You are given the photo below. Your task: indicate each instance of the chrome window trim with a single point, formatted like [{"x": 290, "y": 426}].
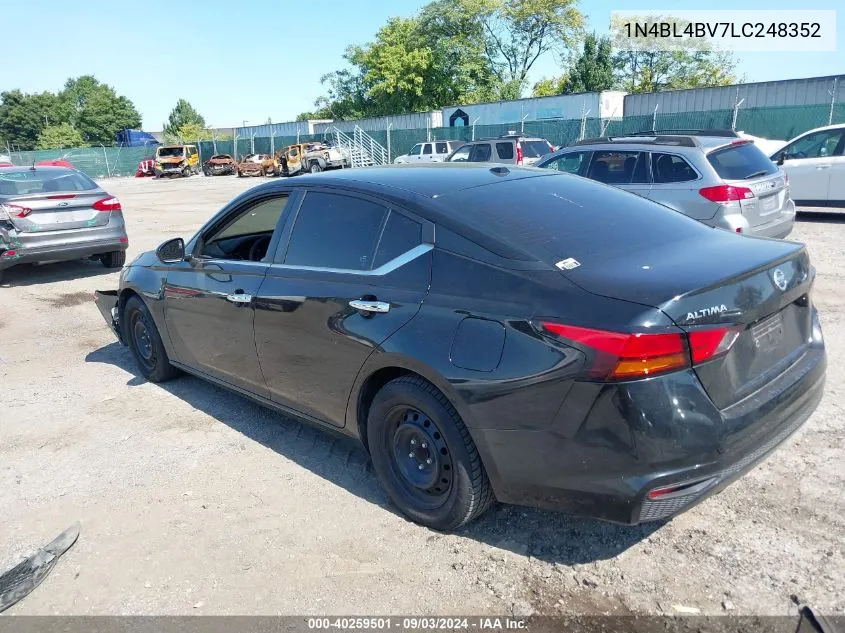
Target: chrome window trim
[{"x": 387, "y": 267}]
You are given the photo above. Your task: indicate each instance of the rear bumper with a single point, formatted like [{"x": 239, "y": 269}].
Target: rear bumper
[
  {"x": 61, "y": 245},
  {"x": 601, "y": 460}
]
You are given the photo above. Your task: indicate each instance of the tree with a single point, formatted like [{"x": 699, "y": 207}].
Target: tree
[
  {"x": 548, "y": 87},
  {"x": 24, "y": 116},
  {"x": 183, "y": 113},
  {"x": 60, "y": 136},
  {"x": 517, "y": 32},
  {"x": 95, "y": 109},
  {"x": 653, "y": 71},
  {"x": 188, "y": 133},
  {"x": 593, "y": 70},
  {"x": 646, "y": 63}
]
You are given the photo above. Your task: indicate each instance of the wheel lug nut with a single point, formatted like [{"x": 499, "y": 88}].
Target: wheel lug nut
[
  {"x": 413, "y": 442},
  {"x": 411, "y": 455},
  {"x": 428, "y": 461},
  {"x": 420, "y": 466},
  {"x": 424, "y": 445}
]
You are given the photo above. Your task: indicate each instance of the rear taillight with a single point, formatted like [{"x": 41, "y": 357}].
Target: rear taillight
[
  {"x": 14, "y": 210},
  {"x": 107, "y": 204},
  {"x": 519, "y": 155},
  {"x": 711, "y": 343},
  {"x": 627, "y": 356},
  {"x": 726, "y": 193}
]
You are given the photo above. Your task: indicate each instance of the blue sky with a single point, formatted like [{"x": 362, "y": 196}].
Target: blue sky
[{"x": 237, "y": 61}]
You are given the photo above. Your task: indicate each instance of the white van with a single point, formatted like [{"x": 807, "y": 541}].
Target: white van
[{"x": 431, "y": 152}]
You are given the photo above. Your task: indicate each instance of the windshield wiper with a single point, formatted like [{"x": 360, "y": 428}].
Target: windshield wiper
[{"x": 762, "y": 172}]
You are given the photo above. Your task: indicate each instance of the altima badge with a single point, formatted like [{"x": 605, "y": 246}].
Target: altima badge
[
  {"x": 779, "y": 279},
  {"x": 568, "y": 264}
]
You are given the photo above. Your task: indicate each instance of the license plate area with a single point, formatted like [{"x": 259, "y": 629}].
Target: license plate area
[
  {"x": 769, "y": 204},
  {"x": 768, "y": 334}
]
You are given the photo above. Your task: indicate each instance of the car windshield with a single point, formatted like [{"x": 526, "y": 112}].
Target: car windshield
[
  {"x": 740, "y": 162},
  {"x": 37, "y": 181},
  {"x": 170, "y": 152},
  {"x": 460, "y": 155},
  {"x": 534, "y": 149}
]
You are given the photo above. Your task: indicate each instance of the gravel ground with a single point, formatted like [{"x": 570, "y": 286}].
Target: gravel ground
[{"x": 196, "y": 501}]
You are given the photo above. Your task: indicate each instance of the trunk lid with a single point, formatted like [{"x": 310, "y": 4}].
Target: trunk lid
[
  {"x": 58, "y": 211},
  {"x": 759, "y": 286},
  {"x": 771, "y": 196}
]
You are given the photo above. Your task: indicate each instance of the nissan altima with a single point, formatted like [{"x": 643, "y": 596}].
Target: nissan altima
[{"x": 492, "y": 333}]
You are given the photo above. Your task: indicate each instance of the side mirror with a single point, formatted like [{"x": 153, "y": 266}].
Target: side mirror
[
  {"x": 171, "y": 251},
  {"x": 781, "y": 158}
]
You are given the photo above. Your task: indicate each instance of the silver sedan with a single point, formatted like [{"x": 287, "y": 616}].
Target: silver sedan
[{"x": 57, "y": 214}]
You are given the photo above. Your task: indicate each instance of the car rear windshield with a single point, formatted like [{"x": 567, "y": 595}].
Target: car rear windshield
[
  {"x": 741, "y": 162},
  {"x": 37, "y": 181},
  {"x": 561, "y": 216},
  {"x": 534, "y": 149}
]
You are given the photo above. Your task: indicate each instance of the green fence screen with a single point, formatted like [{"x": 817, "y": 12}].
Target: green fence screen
[{"x": 781, "y": 123}]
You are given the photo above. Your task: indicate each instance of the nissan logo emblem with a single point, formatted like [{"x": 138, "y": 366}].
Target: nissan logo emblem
[{"x": 779, "y": 279}]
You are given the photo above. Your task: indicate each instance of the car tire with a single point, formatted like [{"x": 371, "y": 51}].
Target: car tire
[
  {"x": 114, "y": 259},
  {"x": 424, "y": 455},
  {"x": 315, "y": 168},
  {"x": 144, "y": 341}
]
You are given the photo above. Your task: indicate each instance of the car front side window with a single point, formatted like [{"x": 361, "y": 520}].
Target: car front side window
[
  {"x": 815, "y": 145},
  {"x": 246, "y": 233}
]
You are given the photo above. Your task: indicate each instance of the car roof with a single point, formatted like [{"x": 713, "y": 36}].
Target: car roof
[
  {"x": 48, "y": 168},
  {"x": 835, "y": 126},
  {"x": 681, "y": 143},
  {"x": 430, "y": 180}
]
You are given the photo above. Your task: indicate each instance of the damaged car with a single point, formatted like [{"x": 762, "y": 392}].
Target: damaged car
[
  {"x": 257, "y": 165},
  {"x": 58, "y": 214},
  {"x": 595, "y": 353},
  {"x": 311, "y": 158},
  {"x": 220, "y": 165},
  {"x": 177, "y": 160}
]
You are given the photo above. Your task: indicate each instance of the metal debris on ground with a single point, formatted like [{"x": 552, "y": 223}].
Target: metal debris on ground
[{"x": 19, "y": 581}]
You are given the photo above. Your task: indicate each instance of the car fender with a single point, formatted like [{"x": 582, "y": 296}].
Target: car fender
[{"x": 148, "y": 283}]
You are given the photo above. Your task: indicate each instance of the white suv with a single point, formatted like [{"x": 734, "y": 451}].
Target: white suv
[
  {"x": 431, "y": 152},
  {"x": 815, "y": 164}
]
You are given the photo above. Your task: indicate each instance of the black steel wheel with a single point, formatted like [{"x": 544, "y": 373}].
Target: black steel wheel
[
  {"x": 424, "y": 455},
  {"x": 144, "y": 341}
]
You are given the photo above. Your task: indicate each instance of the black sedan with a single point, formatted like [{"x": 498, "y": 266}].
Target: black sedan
[{"x": 492, "y": 333}]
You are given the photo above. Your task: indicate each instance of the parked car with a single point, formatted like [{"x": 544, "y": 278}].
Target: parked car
[
  {"x": 430, "y": 152},
  {"x": 492, "y": 333},
  {"x": 220, "y": 165},
  {"x": 177, "y": 160},
  {"x": 510, "y": 149},
  {"x": 766, "y": 145},
  {"x": 815, "y": 164},
  {"x": 56, "y": 213},
  {"x": 257, "y": 165},
  {"x": 713, "y": 176},
  {"x": 312, "y": 157},
  {"x": 146, "y": 167}
]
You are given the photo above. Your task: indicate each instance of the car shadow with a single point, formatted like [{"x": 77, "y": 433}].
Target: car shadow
[
  {"x": 548, "y": 536},
  {"x": 32, "y": 274},
  {"x": 826, "y": 216}
]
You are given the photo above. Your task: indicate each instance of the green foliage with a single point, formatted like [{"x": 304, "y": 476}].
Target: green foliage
[
  {"x": 549, "y": 87},
  {"x": 60, "y": 136},
  {"x": 96, "y": 110},
  {"x": 92, "y": 108},
  {"x": 182, "y": 114},
  {"x": 593, "y": 70},
  {"x": 653, "y": 71},
  {"x": 453, "y": 51},
  {"x": 24, "y": 116}
]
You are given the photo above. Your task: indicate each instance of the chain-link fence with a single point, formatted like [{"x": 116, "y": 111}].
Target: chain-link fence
[{"x": 781, "y": 123}]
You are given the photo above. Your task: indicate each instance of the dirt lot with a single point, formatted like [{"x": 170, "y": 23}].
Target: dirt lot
[{"x": 193, "y": 500}]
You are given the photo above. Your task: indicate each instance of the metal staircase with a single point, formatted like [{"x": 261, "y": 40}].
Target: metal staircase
[{"x": 363, "y": 150}]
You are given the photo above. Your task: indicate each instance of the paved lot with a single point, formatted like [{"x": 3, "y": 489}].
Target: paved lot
[{"x": 194, "y": 500}]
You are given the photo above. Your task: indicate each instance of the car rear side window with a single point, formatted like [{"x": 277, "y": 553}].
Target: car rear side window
[
  {"x": 572, "y": 163},
  {"x": 442, "y": 148},
  {"x": 618, "y": 168},
  {"x": 480, "y": 153},
  {"x": 400, "y": 235},
  {"x": 534, "y": 149},
  {"x": 668, "y": 168},
  {"x": 427, "y": 148},
  {"x": 740, "y": 162},
  {"x": 335, "y": 231},
  {"x": 505, "y": 150}
]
